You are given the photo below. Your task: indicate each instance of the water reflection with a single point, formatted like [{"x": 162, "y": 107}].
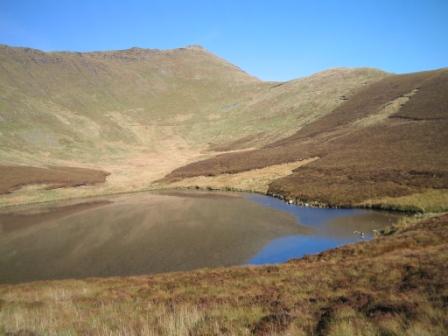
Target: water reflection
[
  {"x": 148, "y": 233},
  {"x": 286, "y": 248},
  {"x": 305, "y": 215},
  {"x": 330, "y": 228},
  {"x": 136, "y": 234}
]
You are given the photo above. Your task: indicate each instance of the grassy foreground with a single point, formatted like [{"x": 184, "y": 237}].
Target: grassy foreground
[{"x": 393, "y": 285}]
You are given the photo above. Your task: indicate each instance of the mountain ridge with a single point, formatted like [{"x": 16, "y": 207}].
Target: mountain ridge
[{"x": 142, "y": 114}]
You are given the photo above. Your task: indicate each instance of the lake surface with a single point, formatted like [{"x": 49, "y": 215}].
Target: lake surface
[{"x": 146, "y": 233}]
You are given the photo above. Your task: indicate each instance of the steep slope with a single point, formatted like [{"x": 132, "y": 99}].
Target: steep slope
[
  {"x": 65, "y": 103},
  {"x": 140, "y": 113},
  {"x": 389, "y": 139},
  {"x": 284, "y": 108}
]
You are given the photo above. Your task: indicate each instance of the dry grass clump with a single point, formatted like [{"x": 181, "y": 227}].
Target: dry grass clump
[
  {"x": 119, "y": 319},
  {"x": 393, "y": 285}
]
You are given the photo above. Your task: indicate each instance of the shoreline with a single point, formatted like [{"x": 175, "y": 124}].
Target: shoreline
[
  {"x": 413, "y": 210},
  {"x": 390, "y": 229}
]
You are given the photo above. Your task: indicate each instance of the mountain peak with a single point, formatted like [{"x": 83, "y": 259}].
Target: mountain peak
[{"x": 195, "y": 47}]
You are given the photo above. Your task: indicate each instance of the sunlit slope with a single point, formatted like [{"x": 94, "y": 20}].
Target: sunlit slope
[
  {"x": 389, "y": 139},
  {"x": 73, "y": 105},
  {"x": 78, "y": 103},
  {"x": 140, "y": 113},
  {"x": 283, "y": 108}
]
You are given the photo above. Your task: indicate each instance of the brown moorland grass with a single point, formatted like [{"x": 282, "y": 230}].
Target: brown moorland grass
[
  {"x": 15, "y": 177},
  {"x": 390, "y": 156},
  {"x": 346, "y": 187},
  {"x": 393, "y": 285}
]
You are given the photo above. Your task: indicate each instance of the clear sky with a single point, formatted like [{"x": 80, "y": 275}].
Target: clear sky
[{"x": 271, "y": 39}]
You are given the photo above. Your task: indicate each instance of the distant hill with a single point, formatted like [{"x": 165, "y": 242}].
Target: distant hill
[{"x": 140, "y": 113}]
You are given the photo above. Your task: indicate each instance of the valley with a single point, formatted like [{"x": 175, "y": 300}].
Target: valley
[
  {"x": 139, "y": 114},
  {"x": 122, "y": 208}
]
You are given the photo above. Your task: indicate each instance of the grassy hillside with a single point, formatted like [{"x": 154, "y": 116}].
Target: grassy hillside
[
  {"x": 389, "y": 139},
  {"x": 393, "y": 285},
  {"x": 140, "y": 113},
  {"x": 67, "y": 103}
]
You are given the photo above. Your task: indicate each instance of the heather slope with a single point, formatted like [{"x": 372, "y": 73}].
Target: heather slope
[{"x": 389, "y": 139}]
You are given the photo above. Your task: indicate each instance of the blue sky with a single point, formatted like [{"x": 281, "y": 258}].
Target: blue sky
[{"x": 273, "y": 40}]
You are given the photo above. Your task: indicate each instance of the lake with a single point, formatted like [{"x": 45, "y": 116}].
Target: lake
[{"x": 145, "y": 233}]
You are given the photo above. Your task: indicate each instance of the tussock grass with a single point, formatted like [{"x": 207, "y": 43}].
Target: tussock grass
[{"x": 119, "y": 319}]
